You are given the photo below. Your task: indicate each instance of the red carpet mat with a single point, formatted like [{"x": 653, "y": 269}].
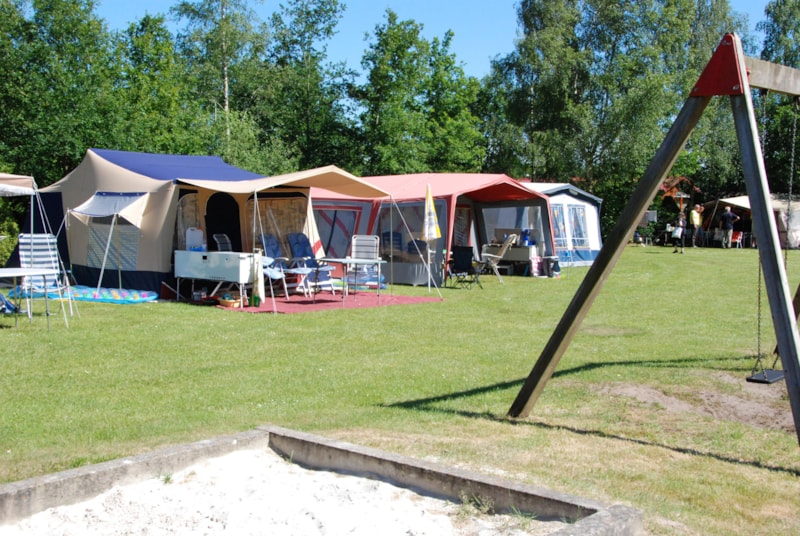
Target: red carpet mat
[{"x": 325, "y": 302}]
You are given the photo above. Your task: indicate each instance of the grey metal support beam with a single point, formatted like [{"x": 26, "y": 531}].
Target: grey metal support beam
[{"x": 612, "y": 249}]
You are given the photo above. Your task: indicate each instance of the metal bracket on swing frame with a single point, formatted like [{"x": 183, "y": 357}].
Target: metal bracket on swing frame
[{"x": 728, "y": 73}]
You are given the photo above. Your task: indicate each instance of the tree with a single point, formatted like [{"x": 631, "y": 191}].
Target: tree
[
  {"x": 593, "y": 85},
  {"x": 62, "y": 97},
  {"x": 159, "y": 113},
  {"x": 417, "y": 104},
  {"x": 307, "y": 101},
  {"x": 394, "y": 117},
  {"x": 781, "y": 31},
  {"x": 454, "y": 137},
  {"x": 218, "y": 36}
]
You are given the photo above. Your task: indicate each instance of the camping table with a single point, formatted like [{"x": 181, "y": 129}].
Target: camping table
[
  {"x": 351, "y": 261},
  {"x": 16, "y": 273},
  {"x": 221, "y": 267}
]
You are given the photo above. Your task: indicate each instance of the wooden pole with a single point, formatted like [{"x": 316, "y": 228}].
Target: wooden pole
[
  {"x": 612, "y": 249},
  {"x": 769, "y": 249}
]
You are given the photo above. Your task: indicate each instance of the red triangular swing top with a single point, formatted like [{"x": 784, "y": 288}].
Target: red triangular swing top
[{"x": 722, "y": 75}]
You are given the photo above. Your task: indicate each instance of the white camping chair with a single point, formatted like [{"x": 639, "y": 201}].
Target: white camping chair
[
  {"x": 41, "y": 251},
  {"x": 364, "y": 248}
]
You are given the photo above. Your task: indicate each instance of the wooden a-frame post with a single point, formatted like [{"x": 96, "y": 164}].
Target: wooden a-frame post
[{"x": 728, "y": 73}]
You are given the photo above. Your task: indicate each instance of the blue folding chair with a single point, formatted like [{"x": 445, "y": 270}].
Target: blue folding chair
[
  {"x": 276, "y": 265},
  {"x": 319, "y": 276}
]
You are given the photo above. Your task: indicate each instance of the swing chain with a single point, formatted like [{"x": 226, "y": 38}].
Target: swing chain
[
  {"x": 759, "y": 364},
  {"x": 791, "y": 180}
]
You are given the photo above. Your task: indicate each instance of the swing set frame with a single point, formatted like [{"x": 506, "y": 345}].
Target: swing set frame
[{"x": 728, "y": 73}]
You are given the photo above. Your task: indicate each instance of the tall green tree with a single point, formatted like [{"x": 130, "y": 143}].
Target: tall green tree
[
  {"x": 593, "y": 85},
  {"x": 218, "y": 36},
  {"x": 454, "y": 137},
  {"x": 394, "y": 119},
  {"x": 308, "y": 101},
  {"x": 779, "y": 114},
  {"x": 63, "y": 97},
  {"x": 417, "y": 104},
  {"x": 159, "y": 113}
]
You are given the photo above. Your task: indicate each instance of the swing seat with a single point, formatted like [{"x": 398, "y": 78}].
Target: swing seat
[{"x": 766, "y": 376}]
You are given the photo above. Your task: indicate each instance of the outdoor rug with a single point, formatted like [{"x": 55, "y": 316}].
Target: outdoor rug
[{"x": 327, "y": 302}]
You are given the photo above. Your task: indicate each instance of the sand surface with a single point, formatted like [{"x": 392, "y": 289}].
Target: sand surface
[{"x": 255, "y": 492}]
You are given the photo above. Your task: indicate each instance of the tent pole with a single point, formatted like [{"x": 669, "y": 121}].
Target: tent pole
[{"x": 119, "y": 259}]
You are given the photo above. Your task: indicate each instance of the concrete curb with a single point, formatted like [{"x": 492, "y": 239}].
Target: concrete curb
[
  {"x": 590, "y": 518},
  {"x": 22, "y": 499}
]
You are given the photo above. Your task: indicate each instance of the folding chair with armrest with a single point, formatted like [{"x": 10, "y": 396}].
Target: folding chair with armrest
[
  {"x": 491, "y": 260},
  {"x": 319, "y": 274},
  {"x": 41, "y": 251},
  {"x": 275, "y": 262},
  {"x": 462, "y": 269}
]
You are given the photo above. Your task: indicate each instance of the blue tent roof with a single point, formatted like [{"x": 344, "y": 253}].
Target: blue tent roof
[{"x": 169, "y": 167}]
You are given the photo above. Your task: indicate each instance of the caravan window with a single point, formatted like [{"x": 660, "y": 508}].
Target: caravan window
[
  {"x": 497, "y": 220},
  {"x": 559, "y": 227},
  {"x": 335, "y": 227},
  {"x": 577, "y": 219},
  {"x": 402, "y": 226}
]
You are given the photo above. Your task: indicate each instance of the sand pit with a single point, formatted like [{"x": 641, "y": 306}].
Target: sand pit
[{"x": 255, "y": 491}]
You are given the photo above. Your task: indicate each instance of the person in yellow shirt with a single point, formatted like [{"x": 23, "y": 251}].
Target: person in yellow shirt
[{"x": 695, "y": 223}]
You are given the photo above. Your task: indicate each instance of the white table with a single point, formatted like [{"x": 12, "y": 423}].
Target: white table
[
  {"x": 346, "y": 262},
  {"x": 16, "y": 273}
]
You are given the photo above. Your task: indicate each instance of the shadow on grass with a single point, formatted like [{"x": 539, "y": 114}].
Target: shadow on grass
[{"x": 428, "y": 405}]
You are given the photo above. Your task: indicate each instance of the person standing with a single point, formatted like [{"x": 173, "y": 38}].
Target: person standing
[
  {"x": 695, "y": 223},
  {"x": 679, "y": 232},
  {"x": 727, "y": 220}
]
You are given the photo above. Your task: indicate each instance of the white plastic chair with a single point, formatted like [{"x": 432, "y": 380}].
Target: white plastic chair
[{"x": 40, "y": 250}]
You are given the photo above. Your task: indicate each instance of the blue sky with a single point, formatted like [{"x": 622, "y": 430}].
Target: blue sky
[{"x": 484, "y": 29}]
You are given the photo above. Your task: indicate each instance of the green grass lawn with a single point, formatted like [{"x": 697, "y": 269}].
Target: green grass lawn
[{"x": 648, "y": 407}]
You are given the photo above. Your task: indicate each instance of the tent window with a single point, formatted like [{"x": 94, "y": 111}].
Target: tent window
[
  {"x": 335, "y": 228},
  {"x": 123, "y": 249},
  {"x": 577, "y": 218},
  {"x": 278, "y": 216},
  {"x": 408, "y": 223},
  {"x": 498, "y": 220},
  {"x": 188, "y": 216}
]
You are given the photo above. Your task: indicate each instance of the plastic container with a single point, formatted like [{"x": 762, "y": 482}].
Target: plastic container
[
  {"x": 194, "y": 239},
  {"x": 525, "y": 240}
]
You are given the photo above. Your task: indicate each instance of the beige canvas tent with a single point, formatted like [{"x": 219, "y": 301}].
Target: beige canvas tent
[
  {"x": 125, "y": 213},
  {"x": 785, "y": 211}
]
